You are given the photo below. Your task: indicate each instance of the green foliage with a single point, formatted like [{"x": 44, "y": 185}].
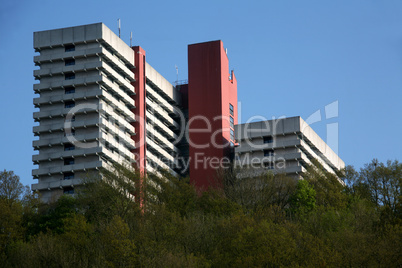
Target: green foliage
[
  {"x": 11, "y": 228},
  {"x": 259, "y": 193},
  {"x": 11, "y": 188},
  {"x": 121, "y": 219},
  {"x": 112, "y": 193},
  {"x": 177, "y": 195},
  {"x": 329, "y": 189},
  {"x": 15, "y": 201},
  {"x": 119, "y": 249},
  {"x": 383, "y": 185},
  {"x": 303, "y": 199}
]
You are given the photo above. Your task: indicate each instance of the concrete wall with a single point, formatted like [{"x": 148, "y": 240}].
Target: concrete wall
[
  {"x": 96, "y": 32},
  {"x": 102, "y": 78},
  {"x": 162, "y": 83},
  {"x": 292, "y": 140}
]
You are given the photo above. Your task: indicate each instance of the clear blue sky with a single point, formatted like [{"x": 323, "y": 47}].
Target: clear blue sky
[{"x": 290, "y": 58}]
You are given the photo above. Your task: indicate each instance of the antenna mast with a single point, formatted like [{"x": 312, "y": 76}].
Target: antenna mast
[
  {"x": 131, "y": 39},
  {"x": 119, "y": 28},
  {"x": 177, "y": 73}
]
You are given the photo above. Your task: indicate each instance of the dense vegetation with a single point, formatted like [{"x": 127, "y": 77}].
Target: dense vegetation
[{"x": 269, "y": 221}]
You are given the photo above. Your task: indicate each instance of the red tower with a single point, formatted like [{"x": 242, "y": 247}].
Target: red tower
[
  {"x": 212, "y": 104},
  {"x": 139, "y": 111}
]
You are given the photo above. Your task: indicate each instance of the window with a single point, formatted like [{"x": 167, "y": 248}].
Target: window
[
  {"x": 231, "y": 122},
  {"x": 72, "y": 119},
  {"x": 69, "y": 90},
  {"x": 68, "y": 161},
  {"x": 69, "y": 48},
  {"x": 69, "y": 76},
  {"x": 231, "y": 109},
  {"x": 232, "y": 134},
  {"x": 268, "y": 152},
  {"x": 268, "y": 165},
  {"x": 69, "y": 104},
  {"x": 68, "y": 176},
  {"x": 268, "y": 139},
  {"x": 106, "y": 116},
  {"x": 68, "y": 190},
  {"x": 69, "y": 133},
  {"x": 69, "y": 147},
  {"x": 69, "y": 62}
]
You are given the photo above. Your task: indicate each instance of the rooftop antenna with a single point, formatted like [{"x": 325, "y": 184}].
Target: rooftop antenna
[
  {"x": 119, "y": 28},
  {"x": 177, "y": 73},
  {"x": 131, "y": 39}
]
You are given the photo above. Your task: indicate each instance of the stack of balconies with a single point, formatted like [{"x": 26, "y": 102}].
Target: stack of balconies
[
  {"x": 163, "y": 126},
  {"x": 282, "y": 146},
  {"x": 85, "y": 118}
]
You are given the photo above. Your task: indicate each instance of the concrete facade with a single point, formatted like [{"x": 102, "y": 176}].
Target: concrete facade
[
  {"x": 100, "y": 102},
  {"x": 281, "y": 146},
  {"x": 88, "y": 116}
]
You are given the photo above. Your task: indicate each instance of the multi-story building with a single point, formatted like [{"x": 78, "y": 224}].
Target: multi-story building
[
  {"x": 284, "y": 145},
  {"x": 85, "y": 101},
  {"x": 212, "y": 110},
  {"x": 100, "y": 103}
]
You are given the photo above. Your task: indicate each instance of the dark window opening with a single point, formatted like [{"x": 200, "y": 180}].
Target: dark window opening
[
  {"x": 69, "y": 62},
  {"x": 69, "y": 161},
  {"x": 68, "y": 190},
  {"x": 69, "y": 104},
  {"x": 268, "y": 165},
  {"x": 69, "y": 90},
  {"x": 231, "y": 122},
  {"x": 68, "y": 176},
  {"x": 70, "y": 132},
  {"x": 69, "y": 76},
  {"x": 69, "y": 147},
  {"x": 69, "y": 48},
  {"x": 268, "y": 139},
  {"x": 268, "y": 152}
]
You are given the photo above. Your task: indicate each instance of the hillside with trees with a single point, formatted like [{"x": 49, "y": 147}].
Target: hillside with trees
[{"x": 268, "y": 221}]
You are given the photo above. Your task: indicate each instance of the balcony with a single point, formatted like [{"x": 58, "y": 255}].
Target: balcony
[
  {"x": 59, "y": 126},
  {"x": 60, "y": 83},
  {"x": 95, "y": 165},
  {"x": 46, "y": 72},
  {"x": 61, "y": 154},
  {"x": 61, "y": 140},
  {"x": 56, "y": 184},
  {"x": 54, "y": 57}
]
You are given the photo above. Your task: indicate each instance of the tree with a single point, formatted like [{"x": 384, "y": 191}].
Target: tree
[
  {"x": 303, "y": 200},
  {"x": 11, "y": 208},
  {"x": 119, "y": 250},
  {"x": 11, "y": 188},
  {"x": 112, "y": 192},
  {"x": 257, "y": 193},
  {"x": 11, "y": 228},
  {"x": 383, "y": 184},
  {"x": 330, "y": 191},
  {"x": 175, "y": 194}
]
